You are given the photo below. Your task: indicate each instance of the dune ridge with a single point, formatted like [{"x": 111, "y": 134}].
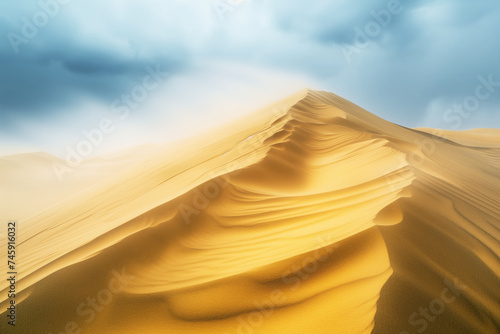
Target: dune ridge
[{"x": 311, "y": 215}]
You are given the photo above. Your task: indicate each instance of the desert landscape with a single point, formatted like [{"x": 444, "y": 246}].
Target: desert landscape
[{"x": 311, "y": 215}]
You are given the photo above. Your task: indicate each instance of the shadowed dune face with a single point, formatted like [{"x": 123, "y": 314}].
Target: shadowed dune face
[{"x": 292, "y": 220}]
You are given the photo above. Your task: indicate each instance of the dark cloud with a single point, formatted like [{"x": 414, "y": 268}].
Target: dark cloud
[{"x": 432, "y": 50}]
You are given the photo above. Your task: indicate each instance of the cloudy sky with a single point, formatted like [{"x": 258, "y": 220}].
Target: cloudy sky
[{"x": 162, "y": 70}]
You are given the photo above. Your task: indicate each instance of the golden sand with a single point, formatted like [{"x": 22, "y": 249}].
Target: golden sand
[{"x": 309, "y": 216}]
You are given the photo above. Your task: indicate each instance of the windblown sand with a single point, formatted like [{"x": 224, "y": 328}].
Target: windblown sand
[{"x": 309, "y": 216}]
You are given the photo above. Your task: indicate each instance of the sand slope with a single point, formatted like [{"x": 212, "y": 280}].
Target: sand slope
[{"x": 309, "y": 216}]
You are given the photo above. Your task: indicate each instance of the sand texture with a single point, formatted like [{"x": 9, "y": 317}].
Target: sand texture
[{"x": 311, "y": 215}]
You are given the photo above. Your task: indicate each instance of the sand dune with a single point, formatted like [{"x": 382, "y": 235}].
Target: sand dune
[{"x": 309, "y": 216}]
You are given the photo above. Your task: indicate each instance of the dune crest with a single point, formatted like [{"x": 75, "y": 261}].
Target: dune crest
[{"x": 309, "y": 216}]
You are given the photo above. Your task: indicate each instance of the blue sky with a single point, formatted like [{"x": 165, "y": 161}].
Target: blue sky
[{"x": 65, "y": 63}]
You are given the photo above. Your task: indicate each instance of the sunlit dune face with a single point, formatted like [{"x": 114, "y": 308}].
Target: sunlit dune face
[{"x": 310, "y": 216}]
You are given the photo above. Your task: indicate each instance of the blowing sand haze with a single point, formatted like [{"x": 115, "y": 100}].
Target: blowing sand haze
[{"x": 309, "y": 216}]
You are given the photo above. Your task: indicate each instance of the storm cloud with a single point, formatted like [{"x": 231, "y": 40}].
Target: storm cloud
[{"x": 407, "y": 61}]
